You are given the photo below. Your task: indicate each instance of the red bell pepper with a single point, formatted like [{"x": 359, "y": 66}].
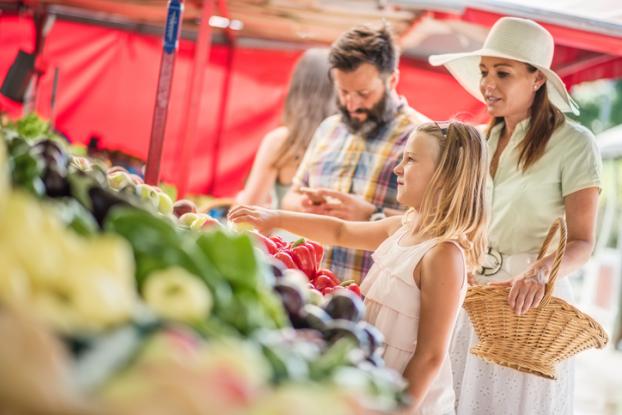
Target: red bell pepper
[
  {"x": 280, "y": 243},
  {"x": 318, "y": 251},
  {"x": 328, "y": 290},
  {"x": 329, "y": 274},
  {"x": 322, "y": 282},
  {"x": 305, "y": 260},
  {"x": 268, "y": 243},
  {"x": 286, "y": 259},
  {"x": 354, "y": 287}
]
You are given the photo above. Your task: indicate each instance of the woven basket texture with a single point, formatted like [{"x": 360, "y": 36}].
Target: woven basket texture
[{"x": 536, "y": 341}]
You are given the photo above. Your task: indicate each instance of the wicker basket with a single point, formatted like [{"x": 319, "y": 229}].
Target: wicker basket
[{"x": 536, "y": 341}]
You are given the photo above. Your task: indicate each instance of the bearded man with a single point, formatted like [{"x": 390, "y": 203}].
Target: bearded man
[{"x": 347, "y": 171}]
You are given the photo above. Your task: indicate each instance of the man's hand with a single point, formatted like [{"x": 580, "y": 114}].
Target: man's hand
[
  {"x": 345, "y": 206},
  {"x": 312, "y": 201}
]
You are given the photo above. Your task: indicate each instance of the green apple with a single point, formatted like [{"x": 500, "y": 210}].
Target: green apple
[
  {"x": 178, "y": 295},
  {"x": 187, "y": 219},
  {"x": 81, "y": 163},
  {"x": 315, "y": 297},
  {"x": 165, "y": 205},
  {"x": 240, "y": 227},
  {"x": 118, "y": 180},
  {"x": 204, "y": 221},
  {"x": 148, "y": 194}
]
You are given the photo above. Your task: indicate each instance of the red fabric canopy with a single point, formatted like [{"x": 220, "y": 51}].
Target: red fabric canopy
[{"x": 107, "y": 87}]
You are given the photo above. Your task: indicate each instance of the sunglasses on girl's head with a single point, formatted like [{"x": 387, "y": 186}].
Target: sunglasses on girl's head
[{"x": 443, "y": 126}]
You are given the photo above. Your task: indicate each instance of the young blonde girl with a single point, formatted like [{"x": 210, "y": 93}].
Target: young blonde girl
[{"x": 418, "y": 281}]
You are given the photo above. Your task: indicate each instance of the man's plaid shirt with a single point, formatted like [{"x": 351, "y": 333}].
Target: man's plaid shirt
[{"x": 349, "y": 163}]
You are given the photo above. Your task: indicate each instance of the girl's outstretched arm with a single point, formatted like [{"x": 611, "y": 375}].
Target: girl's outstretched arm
[
  {"x": 442, "y": 274},
  {"x": 324, "y": 229}
]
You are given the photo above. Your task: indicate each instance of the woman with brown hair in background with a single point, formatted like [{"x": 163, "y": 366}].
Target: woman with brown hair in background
[{"x": 310, "y": 99}]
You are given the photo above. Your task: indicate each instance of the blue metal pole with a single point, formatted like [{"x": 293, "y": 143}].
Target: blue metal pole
[{"x": 165, "y": 82}]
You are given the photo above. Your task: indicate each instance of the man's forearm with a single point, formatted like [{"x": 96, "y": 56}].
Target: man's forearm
[{"x": 293, "y": 201}]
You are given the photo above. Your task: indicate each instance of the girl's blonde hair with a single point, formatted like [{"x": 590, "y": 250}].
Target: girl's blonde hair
[{"x": 454, "y": 204}]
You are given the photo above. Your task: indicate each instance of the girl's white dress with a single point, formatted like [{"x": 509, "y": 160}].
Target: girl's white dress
[{"x": 392, "y": 302}]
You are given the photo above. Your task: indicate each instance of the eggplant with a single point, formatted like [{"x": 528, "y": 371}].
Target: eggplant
[
  {"x": 374, "y": 336},
  {"x": 50, "y": 145},
  {"x": 338, "y": 329},
  {"x": 292, "y": 299},
  {"x": 315, "y": 317},
  {"x": 51, "y": 153},
  {"x": 55, "y": 182},
  {"x": 276, "y": 267},
  {"x": 375, "y": 359},
  {"x": 345, "y": 305},
  {"x": 102, "y": 201}
]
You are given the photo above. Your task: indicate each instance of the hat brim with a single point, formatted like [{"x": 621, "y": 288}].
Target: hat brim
[{"x": 465, "y": 68}]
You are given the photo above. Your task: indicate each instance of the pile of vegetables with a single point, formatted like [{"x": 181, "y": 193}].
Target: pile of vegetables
[{"x": 109, "y": 268}]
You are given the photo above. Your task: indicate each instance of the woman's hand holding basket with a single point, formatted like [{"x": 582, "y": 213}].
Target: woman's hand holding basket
[{"x": 527, "y": 289}]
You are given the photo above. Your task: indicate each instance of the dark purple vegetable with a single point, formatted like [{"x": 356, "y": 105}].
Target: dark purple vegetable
[
  {"x": 338, "y": 329},
  {"x": 292, "y": 299},
  {"x": 315, "y": 317},
  {"x": 374, "y": 336},
  {"x": 102, "y": 201},
  {"x": 345, "y": 305}
]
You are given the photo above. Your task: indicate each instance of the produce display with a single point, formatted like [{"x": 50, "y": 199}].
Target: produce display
[{"x": 133, "y": 303}]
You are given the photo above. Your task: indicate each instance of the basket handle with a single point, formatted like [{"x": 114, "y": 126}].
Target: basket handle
[{"x": 558, "y": 225}]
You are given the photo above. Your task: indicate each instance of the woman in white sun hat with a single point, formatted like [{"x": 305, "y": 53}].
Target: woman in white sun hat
[{"x": 542, "y": 166}]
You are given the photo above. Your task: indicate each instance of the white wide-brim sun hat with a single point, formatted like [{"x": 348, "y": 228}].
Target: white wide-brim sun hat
[{"x": 510, "y": 38}]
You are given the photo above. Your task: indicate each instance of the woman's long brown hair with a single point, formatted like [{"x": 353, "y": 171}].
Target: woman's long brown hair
[
  {"x": 310, "y": 99},
  {"x": 544, "y": 120}
]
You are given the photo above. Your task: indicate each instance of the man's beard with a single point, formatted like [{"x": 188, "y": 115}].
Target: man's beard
[{"x": 382, "y": 113}]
